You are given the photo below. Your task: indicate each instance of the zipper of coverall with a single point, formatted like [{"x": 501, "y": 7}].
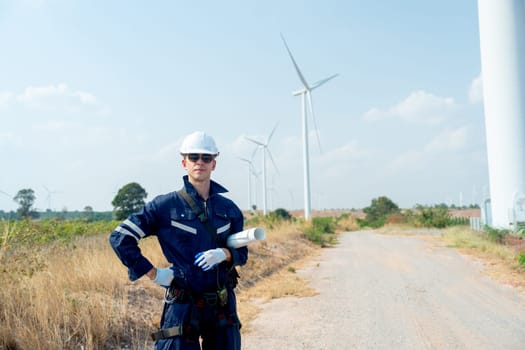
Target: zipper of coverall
[{"x": 205, "y": 210}]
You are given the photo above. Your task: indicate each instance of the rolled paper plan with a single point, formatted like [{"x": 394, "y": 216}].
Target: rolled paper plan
[{"x": 246, "y": 237}]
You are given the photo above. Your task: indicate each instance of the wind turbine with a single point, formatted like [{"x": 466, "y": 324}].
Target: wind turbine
[
  {"x": 48, "y": 198},
  {"x": 250, "y": 172},
  {"x": 265, "y": 150},
  {"x": 306, "y": 94}
]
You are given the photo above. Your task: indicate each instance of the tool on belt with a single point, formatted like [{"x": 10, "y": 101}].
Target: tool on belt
[
  {"x": 181, "y": 296},
  {"x": 199, "y": 301}
]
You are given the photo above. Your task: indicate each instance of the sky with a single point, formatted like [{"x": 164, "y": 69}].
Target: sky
[{"x": 98, "y": 94}]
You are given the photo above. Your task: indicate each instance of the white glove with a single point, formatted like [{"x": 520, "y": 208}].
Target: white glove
[
  {"x": 210, "y": 258},
  {"x": 164, "y": 277}
]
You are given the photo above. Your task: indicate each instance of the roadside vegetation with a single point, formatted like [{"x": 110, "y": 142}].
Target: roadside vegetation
[{"x": 64, "y": 288}]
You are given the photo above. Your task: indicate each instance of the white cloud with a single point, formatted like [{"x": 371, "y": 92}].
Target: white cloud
[
  {"x": 32, "y": 4},
  {"x": 55, "y": 97},
  {"x": 411, "y": 161},
  {"x": 6, "y": 137},
  {"x": 241, "y": 147},
  {"x": 5, "y": 99},
  {"x": 168, "y": 152},
  {"x": 375, "y": 114},
  {"x": 350, "y": 150},
  {"x": 449, "y": 141},
  {"x": 475, "y": 92},
  {"x": 418, "y": 107}
]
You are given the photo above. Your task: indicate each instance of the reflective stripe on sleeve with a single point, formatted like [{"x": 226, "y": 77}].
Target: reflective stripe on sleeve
[
  {"x": 184, "y": 227},
  {"x": 125, "y": 231},
  {"x": 223, "y": 228},
  {"x": 134, "y": 227}
]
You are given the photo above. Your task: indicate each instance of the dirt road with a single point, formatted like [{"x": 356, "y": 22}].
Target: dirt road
[{"x": 393, "y": 292}]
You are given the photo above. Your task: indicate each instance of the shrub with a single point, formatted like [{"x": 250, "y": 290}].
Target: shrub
[
  {"x": 281, "y": 214},
  {"x": 521, "y": 260},
  {"x": 378, "y": 212},
  {"x": 324, "y": 224},
  {"x": 346, "y": 222},
  {"x": 438, "y": 217},
  {"x": 320, "y": 231},
  {"x": 494, "y": 234},
  {"x": 271, "y": 220}
]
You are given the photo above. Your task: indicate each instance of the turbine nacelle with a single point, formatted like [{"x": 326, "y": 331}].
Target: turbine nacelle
[{"x": 299, "y": 92}]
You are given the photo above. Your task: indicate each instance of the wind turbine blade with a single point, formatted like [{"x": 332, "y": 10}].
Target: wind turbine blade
[
  {"x": 271, "y": 134},
  {"x": 321, "y": 82},
  {"x": 310, "y": 104},
  {"x": 254, "y": 152},
  {"x": 273, "y": 162},
  {"x": 303, "y": 80},
  {"x": 255, "y": 141},
  {"x": 252, "y": 169}
]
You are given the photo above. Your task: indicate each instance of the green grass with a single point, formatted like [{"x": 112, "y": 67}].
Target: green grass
[
  {"x": 461, "y": 237},
  {"x": 29, "y": 233},
  {"x": 521, "y": 260}
]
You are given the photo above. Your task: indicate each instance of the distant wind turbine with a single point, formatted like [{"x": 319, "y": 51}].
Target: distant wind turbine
[
  {"x": 251, "y": 171},
  {"x": 48, "y": 198},
  {"x": 265, "y": 150},
  {"x": 306, "y": 94}
]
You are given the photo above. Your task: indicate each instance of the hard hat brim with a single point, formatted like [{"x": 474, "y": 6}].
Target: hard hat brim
[{"x": 198, "y": 150}]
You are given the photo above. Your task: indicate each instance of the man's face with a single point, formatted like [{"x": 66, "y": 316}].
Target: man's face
[{"x": 199, "y": 169}]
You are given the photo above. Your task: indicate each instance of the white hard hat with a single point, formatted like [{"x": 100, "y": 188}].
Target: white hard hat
[{"x": 198, "y": 142}]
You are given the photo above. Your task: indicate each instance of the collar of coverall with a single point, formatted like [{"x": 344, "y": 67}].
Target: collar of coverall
[{"x": 214, "y": 187}]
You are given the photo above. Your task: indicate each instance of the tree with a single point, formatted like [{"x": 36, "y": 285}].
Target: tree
[
  {"x": 25, "y": 199},
  {"x": 379, "y": 210},
  {"x": 281, "y": 213},
  {"x": 128, "y": 200},
  {"x": 88, "y": 213}
]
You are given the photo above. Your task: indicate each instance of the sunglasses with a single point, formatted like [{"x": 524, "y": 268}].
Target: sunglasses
[{"x": 206, "y": 158}]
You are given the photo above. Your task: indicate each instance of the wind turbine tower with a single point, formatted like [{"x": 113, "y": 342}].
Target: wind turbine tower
[
  {"x": 306, "y": 95},
  {"x": 265, "y": 150},
  {"x": 250, "y": 172},
  {"x": 502, "y": 43}
]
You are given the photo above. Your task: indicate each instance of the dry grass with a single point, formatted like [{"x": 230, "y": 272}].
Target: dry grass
[
  {"x": 269, "y": 272},
  {"x": 66, "y": 296},
  {"x": 500, "y": 260},
  {"x": 77, "y": 295}
]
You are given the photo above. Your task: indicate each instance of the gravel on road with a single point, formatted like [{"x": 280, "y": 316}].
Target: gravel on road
[{"x": 393, "y": 292}]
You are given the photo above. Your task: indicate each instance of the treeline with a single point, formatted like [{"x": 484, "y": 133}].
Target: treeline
[
  {"x": 129, "y": 199},
  {"x": 383, "y": 211},
  {"x": 61, "y": 215}
]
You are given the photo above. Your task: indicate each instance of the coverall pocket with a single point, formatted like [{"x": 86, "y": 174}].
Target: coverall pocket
[{"x": 223, "y": 224}]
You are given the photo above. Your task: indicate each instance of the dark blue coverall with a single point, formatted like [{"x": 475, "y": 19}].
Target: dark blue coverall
[{"x": 181, "y": 236}]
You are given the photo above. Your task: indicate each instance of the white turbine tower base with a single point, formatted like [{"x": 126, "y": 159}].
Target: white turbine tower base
[
  {"x": 502, "y": 43},
  {"x": 306, "y": 94}
]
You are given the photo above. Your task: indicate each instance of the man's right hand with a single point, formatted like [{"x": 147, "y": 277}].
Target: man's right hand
[{"x": 164, "y": 277}]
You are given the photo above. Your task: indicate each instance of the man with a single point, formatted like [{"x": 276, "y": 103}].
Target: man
[{"x": 192, "y": 226}]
